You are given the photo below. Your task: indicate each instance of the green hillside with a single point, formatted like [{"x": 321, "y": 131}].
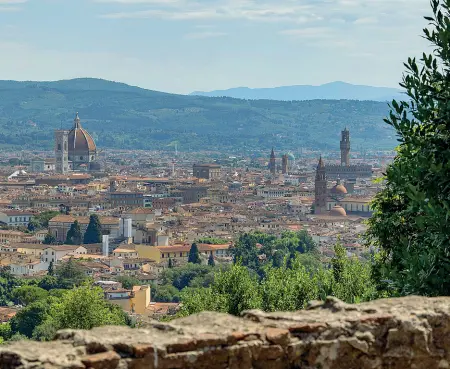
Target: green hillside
[{"x": 123, "y": 116}]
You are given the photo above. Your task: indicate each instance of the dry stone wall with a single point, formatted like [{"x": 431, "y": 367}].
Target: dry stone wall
[{"x": 406, "y": 333}]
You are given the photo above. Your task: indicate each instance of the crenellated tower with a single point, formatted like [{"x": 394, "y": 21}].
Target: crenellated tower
[{"x": 345, "y": 147}]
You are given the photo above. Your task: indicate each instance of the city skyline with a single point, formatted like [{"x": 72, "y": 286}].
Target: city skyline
[{"x": 180, "y": 46}]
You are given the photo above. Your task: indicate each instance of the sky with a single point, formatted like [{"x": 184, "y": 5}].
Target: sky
[{"x": 182, "y": 46}]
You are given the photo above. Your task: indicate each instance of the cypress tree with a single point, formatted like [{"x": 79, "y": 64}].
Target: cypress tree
[
  {"x": 94, "y": 230},
  {"x": 50, "y": 270},
  {"x": 170, "y": 263},
  {"x": 74, "y": 236},
  {"x": 211, "y": 261},
  {"x": 194, "y": 256},
  {"x": 49, "y": 239}
]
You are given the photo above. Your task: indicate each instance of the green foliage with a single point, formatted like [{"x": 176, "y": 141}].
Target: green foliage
[
  {"x": 49, "y": 239},
  {"x": 288, "y": 287},
  {"x": 181, "y": 277},
  {"x": 70, "y": 274},
  {"x": 50, "y": 270},
  {"x": 28, "y": 318},
  {"x": 7, "y": 283},
  {"x": 40, "y": 221},
  {"x": 245, "y": 251},
  {"x": 27, "y": 294},
  {"x": 49, "y": 282},
  {"x": 128, "y": 282},
  {"x": 80, "y": 308},
  {"x": 165, "y": 293},
  {"x": 170, "y": 264},
  {"x": 5, "y": 331},
  {"x": 410, "y": 224},
  {"x": 74, "y": 236},
  {"x": 94, "y": 230},
  {"x": 211, "y": 261},
  {"x": 194, "y": 256},
  {"x": 278, "y": 259},
  {"x": 159, "y": 119}
]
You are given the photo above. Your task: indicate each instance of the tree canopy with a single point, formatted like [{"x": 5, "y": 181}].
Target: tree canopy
[
  {"x": 74, "y": 235},
  {"x": 93, "y": 232},
  {"x": 410, "y": 222}
]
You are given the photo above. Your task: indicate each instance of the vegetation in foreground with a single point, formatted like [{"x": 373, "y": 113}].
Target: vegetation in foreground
[{"x": 411, "y": 221}]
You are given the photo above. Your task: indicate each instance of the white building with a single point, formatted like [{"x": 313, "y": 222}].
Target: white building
[
  {"x": 14, "y": 218},
  {"x": 56, "y": 253}
]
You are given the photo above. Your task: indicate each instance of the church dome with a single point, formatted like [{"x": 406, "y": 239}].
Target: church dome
[
  {"x": 80, "y": 141},
  {"x": 338, "y": 211},
  {"x": 338, "y": 189}
]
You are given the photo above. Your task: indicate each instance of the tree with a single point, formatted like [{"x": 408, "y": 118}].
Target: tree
[
  {"x": 74, "y": 236},
  {"x": 70, "y": 274},
  {"x": 410, "y": 222},
  {"x": 30, "y": 317},
  {"x": 128, "y": 282},
  {"x": 278, "y": 259},
  {"x": 49, "y": 239},
  {"x": 84, "y": 308},
  {"x": 94, "y": 230},
  {"x": 48, "y": 283},
  {"x": 50, "y": 270},
  {"x": 27, "y": 294},
  {"x": 170, "y": 265},
  {"x": 194, "y": 256},
  {"x": 245, "y": 251},
  {"x": 211, "y": 261}
]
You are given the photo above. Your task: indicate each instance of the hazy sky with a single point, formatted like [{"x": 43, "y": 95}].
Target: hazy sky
[{"x": 183, "y": 45}]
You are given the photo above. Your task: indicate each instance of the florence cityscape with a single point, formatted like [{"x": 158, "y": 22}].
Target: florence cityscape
[{"x": 192, "y": 184}]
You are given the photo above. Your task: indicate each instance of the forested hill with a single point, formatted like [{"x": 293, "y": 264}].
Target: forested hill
[{"x": 122, "y": 116}]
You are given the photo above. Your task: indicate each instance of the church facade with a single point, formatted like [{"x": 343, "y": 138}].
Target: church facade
[{"x": 75, "y": 149}]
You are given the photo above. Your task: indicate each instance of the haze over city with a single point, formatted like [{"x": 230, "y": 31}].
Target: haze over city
[{"x": 180, "y": 46}]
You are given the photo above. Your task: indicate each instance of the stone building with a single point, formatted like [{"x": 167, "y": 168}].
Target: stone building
[
  {"x": 75, "y": 149},
  {"x": 60, "y": 225},
  {"x": 345, "y": 170},
  {"x": 207, "y": 171}
]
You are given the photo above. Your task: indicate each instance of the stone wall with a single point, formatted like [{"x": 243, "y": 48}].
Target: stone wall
[{"x": 412, "y": 332}]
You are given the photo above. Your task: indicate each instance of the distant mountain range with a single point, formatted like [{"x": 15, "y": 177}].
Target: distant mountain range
[
  {"x": 122, "y": 116},
  {"x": 329, "y": 91}
]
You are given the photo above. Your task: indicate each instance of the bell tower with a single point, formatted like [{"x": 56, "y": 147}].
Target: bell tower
[
  {"x": 345, "y": 147},
  {"x": 320, "y": 186},
  {"x": 272, "y": 163},
  {"x": 62, "y": 151}
]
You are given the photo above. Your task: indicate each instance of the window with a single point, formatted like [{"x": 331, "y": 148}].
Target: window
[
  {"x": 53, "y": 253},
  {"x": 59, "y": 147},
  {"x": 162, "y": 255},
  {"x": 181, "y": 254}
]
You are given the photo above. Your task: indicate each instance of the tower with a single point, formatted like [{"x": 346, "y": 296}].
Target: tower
[
  {"x": 284, "y": 164},
  {"x": 62, "y": 151},
  {"x": 345, "y": 147},
  {"x": 272, "y": 163},
  {"x": 320, "y": 186}
]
